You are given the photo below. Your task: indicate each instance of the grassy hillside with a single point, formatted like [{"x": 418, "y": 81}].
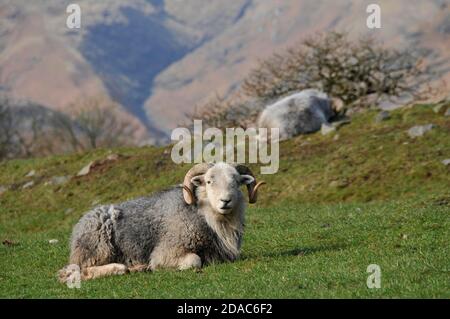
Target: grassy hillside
[{"x": 366, "y": 194}]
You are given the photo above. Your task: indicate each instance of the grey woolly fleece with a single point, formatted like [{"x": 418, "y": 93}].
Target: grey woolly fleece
[{"x": 156, "y": 231}]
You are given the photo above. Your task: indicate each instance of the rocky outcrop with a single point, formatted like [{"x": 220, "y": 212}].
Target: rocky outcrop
[{"x": 420, "y": 130}]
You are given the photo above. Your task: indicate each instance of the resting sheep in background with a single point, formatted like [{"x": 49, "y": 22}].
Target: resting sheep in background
[
  {"x": 183, "y": 227},
  {"x": 299, "y": 113}
]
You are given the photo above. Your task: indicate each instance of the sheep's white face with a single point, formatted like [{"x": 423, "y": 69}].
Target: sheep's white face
[{"x": 222, "y": 186}]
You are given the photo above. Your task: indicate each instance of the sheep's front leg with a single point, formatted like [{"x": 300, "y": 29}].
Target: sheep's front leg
[
  {"x": 173, "y": 257},
  {"x": 102, "y": 271},
  {"x": 190, "y": 261}
]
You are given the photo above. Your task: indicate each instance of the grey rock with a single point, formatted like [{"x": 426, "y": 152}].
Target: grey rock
[
  {"x": 338, "y": 184},
  {"x": 28, "y": 185},
  {"x": 3, "y": 189},
  {"x": 334, "y": 184},
  {"x": 382, "y": 116},
  {"x": 446, "y": 162},
  {"x": 31, "y": 173},
  {"x": 53, "y": 241},
  {"x": 85, "y": 170},
  {"x": 305, "y": 143},
  {"x": 420, "y": 130},
  {"x": 59, "y": 180},
  {"x": 113, "y": 157},
  {"x": 447, "y": 113},
  {"x": 68, "y": 211},
  {"x": 438, "y": 107}
]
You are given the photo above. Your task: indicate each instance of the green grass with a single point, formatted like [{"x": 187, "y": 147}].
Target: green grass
[{"x": 305, "y": 238}]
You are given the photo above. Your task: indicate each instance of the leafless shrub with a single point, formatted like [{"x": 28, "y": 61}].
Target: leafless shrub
[
  {"x": 33, "y": 133},
  {"x": 29, "y": 130},
  {"x": 351, "y": 71},
  {"x": 6, "y": 129},
  {"x": 100, "y": 124},
  {"x": 66, "y": 133}
]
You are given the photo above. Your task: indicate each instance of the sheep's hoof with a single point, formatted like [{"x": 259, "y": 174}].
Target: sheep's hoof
[
  {"x": 138, "y": 268},
  {"x": 104, "y": 270},
  {"x": 190, "y": 261},
  {"x": 70, "y": 275}
]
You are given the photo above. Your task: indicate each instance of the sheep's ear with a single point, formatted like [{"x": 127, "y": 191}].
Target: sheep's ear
[
  {"x": 246, "y": 179},
  {"x": 198, "y": 180}
]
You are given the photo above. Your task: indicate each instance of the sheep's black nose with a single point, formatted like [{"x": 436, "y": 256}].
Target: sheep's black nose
[{"x": 226, "y": 201}]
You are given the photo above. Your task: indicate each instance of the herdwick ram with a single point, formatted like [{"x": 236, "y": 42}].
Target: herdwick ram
[
  {"x": 186, "y": 226},
  {"x": 299, "y": 113}
]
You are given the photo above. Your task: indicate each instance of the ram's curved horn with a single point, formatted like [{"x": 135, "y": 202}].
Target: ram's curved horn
[
  {"x": 252, "y": 188},
  {"x": 188, "y": 187}
]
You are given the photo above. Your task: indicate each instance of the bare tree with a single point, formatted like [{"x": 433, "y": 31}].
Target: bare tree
[
  {"x": 33, "y": 134},
  {"x": 6, "y": 129},
  {"x": 351, "y": 71},
  {"x": 20, "y": 129},
  {"x": 101, "y": 124},
  {"x": 358, "y": 73},
  {"x": 28, "y": 130},
  {"x": 67, "y": 132}
]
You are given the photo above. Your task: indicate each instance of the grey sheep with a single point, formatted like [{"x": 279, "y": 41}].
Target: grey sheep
[
  {"x": 186, "y": 226},
  {"x": 299, "y": 113}
]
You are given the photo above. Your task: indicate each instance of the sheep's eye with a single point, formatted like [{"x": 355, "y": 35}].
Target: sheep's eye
[{"x": 208, "y": 182}]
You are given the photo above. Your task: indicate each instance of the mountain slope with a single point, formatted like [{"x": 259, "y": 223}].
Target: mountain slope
[
  {"x": 161, "y": 58},
  {"x": 269, "y": 26}
]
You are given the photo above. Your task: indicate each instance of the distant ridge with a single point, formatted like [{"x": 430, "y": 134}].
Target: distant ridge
[{"x": 161, "y": 58}]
